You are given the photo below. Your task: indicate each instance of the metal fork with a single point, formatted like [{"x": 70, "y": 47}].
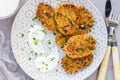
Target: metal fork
[{"x": 114, "y": 19}]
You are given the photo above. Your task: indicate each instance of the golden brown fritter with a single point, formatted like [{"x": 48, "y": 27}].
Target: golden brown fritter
[
  {"x": 66, "y": 17},
  {"x": 74, "y": 65},
  {"x": 80, "y": 32},
  {"x": 85, "y": 19},
  {"x": 45, "y": 14},
  {"x": 79, "y": 46},
  {"x": 61, "y": 40}
]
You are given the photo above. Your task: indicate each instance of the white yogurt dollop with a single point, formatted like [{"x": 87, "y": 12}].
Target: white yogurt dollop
[
  {"x": 35, "y": 37},
  {"x": 8, "y": 8},
  {"x": 42, "y": 43}
]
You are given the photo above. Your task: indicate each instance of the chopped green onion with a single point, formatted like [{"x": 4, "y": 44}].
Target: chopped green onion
[
  {"x": 62, "y": 46},
  {"x": 91, "y": 47},
  {"x": 44, "y": 31},
  {"x": 35, "y": 41},
  {"x": 32, "y": 26},
  {"x": 81, "y": 49},
  {"x": 22, "y": 35},
  {"x": 46, "y": 64},
  {"x": 34, "y": 18},
  {"x": 56, "y": 70},
  {"x": 22, "y": 49},
  {"x": 65, "y": 30},
  {"x": 52, "y": 59},
  {"x": 36, "y": 54},
  {"x": 90, "y": 30},
  {"x": 49, "y": 42},
  {"x": 39, "y": 69},
  {"x": 43, "y": 62},
  {"x": 46, "y": 68},
  {"x": 29, "y": 58},
  {"x": 31, "y": 51}
]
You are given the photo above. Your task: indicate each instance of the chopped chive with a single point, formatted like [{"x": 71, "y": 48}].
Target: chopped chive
[
  {"x": 36, "y": 54},
  {"x": 22, "y": 35},
  {"x": 54, "y": 33},
  {"x": 52, "y": 59},
  {"x": 90, "y": 30},
  {"x": 79, "y": 49},
  {"x": 91, "y": 47},
  {"x": 56, "y": 70},
  {"x": 29, "y": 58},
  {"x": 39, "y": 69},
  {"x": 32, "y": 26},
  {"x": 34, "y": 18},
  {"x": 35, "y": 41},
  {"x": 31, "y": 51},
  {"x": 62, "y": 46},
  {"x": 46, "y": 64},
  {"x": 43, "y": 62},
  {"x": 46, "y": 68},
  {"x": 22, "y": 49},
  {"x": 44, "y": 31},
  {"x": 49, "y": 42},
  {"x": 82, "y": 49},
  {"x": 65, "y": 30}
]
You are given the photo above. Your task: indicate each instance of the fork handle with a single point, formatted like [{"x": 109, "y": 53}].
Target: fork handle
[
  {"x": 104, "y": 64},
  {"x": 116, "y": 62}
]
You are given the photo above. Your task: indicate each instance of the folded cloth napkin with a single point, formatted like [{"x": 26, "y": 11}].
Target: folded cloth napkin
[{"x": 9, "y": 69}]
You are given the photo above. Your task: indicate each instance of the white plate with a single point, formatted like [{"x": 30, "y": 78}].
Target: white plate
[{"x": 22, "y": 51}]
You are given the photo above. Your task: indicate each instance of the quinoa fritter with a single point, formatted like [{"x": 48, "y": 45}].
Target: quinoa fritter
[
  {"x": 79, "y": 46},
  {"x": 45, "y": 14},
  {"x": 74, "y": 65},
  {"x": 85, "y": 19},
  {"x": 66, "y": 17},
  {"x": 61, "y": 39}
]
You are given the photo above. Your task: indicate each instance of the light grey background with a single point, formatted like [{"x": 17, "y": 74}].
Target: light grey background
[{"x": 5, "y": 26}]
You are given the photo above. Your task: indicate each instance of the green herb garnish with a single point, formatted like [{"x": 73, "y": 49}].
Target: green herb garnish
[
  {"x": 49, "y": 42},
  {"x": 29, "y": 58},
  {"x": 56, "y": 70},
  {"x": 36, "y": 54},
  {"x": 65, "y": 30},
  {"x": 46, "y": 68},
  {"x": 43, "y": 62},
  {"x": 90, "y": 30},
  {"x": 80, "y": 49},
  {"x": 35, "y": 41},
  {"x": 91, "y": 47},
  {"x": 44, "y": 31},
  {"x": 22, "y": 49},
  {"x": 22, "y": 35},
  {"x": 39, "y": 69},
  {"x": 46, "y": 64},
  {"x": 34, "y": 18},
  {"x": 32, "y": 26},
  {"x": 62, "y": 46},
  {"x": 52, "y": 59},
  {"x": 31, "y": 51}
]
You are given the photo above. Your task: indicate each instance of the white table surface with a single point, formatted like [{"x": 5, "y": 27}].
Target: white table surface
[{"x": 5, "y": 26}]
